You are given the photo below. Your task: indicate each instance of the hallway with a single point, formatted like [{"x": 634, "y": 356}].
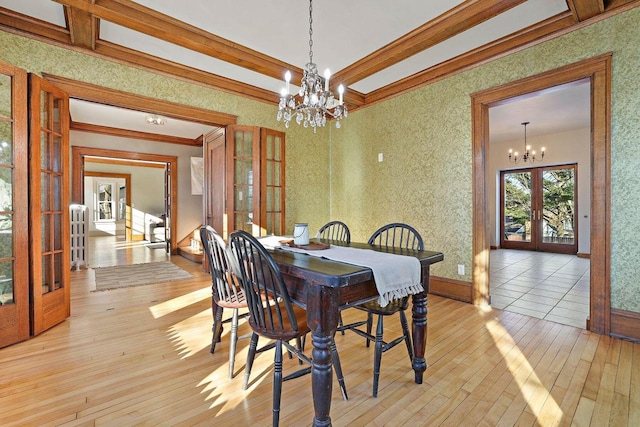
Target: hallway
[{"x": 545, "y": 285}]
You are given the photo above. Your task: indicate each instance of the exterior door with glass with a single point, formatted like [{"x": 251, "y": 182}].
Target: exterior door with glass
[{"x": 538, "y": 209}]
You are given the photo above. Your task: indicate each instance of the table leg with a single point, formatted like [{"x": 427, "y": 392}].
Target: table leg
[
  {"x": 322, "y": 317},
  {"x": 419, "y": 334}
]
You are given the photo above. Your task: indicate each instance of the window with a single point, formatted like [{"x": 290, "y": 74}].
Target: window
[{"x": 105, "y": 208}]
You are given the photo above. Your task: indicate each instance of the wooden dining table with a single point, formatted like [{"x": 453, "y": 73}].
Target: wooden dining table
[{"x": 324, "y": 287}]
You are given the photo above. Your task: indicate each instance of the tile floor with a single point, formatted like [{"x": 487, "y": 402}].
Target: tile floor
[{"x": 539, "y": 284}]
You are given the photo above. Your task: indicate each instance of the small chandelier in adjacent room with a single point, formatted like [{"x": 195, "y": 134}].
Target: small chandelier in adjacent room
[
  {"x": 316, "y": 101},
  {"x": 156, "y": 120},
  {"x": 528, "y": 154}
]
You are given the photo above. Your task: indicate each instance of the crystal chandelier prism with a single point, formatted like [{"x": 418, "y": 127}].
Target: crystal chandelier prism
[
  {"x": 315, "y": 101},
  {"x": 528, "y": 154}
]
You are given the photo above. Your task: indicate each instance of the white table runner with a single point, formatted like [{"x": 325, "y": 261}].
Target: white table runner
[{"x": 396, "y": 276}]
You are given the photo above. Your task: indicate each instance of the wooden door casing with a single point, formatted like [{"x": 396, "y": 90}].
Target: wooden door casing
[{"x": 48, "y": 206}]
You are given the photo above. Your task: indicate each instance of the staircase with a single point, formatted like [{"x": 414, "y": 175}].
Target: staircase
[{"x": 191, "y": 247}]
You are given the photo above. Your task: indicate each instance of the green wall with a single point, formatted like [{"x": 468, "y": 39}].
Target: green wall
[
  {"x": 425, "y": 135},
  {"x": 307, "y": 154}
]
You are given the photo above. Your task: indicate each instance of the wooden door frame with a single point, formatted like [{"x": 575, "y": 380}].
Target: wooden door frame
[
  {"x": 117, "y": 98},
  {"x": 598, "y": 71},
  {"x": 78, "y": 155}
]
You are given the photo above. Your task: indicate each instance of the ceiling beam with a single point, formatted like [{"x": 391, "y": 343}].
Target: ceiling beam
[
  {"x": 459, "y": 19},
  {"x": 103, "y": 95},
  {"x": 508, "y": 44},
  {"x": 163, "y": 27},
  {"x": 126, "y": 133},
  {"x": 82, "y": 27},
  {"x": 35, "y": 28},
  {"x": 147, "y": 62},
  {"x": 585, "y": 9}
]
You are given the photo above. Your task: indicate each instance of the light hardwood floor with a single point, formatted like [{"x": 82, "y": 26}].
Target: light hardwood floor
[{"x": 140, "y": 356}]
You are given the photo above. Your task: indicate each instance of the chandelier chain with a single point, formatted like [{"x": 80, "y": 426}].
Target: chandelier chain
[{"x": 310, "y": 30}]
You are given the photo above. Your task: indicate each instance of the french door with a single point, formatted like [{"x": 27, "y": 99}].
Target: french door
[
  {"x": 49, "y": 204},
  {"x": 14, "y": 239},
  {"x": 255, "y": 180},
  {"x": 538, "y": 209}
]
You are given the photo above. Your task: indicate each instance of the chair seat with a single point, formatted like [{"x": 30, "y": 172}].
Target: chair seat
[
  {"x": 236, "y": 300},
  {"x": 287, "y": 332}
]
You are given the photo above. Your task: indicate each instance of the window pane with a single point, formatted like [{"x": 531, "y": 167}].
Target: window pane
[
  {"x": 46, "y": 190},
  {"x": 6, "y": 237},
  {"x": 46, "y": 233},
  {"x": 6, "y": 283},
  {"x": 45, "y": 151},
  {"x": 57, "y": 284},
  {"x": 517, "y": 206},
  {"x": 57, "y": 235},
  {"x": 277, "y": 148},
  {"x": 6, "y": 187},
  {"x": 46, "y": 276},
  {"x": 558, "y": 190},
  {"x": 248, "y": 144},
  {"x": 44, "y": 110},
  {"x": 56, "y": 124},
  {"x": 5, "y": 96},
  {"x": 56, "y": 160},
  {"x": 56, "y": 195},
  {"x": 6, "y": 146}
]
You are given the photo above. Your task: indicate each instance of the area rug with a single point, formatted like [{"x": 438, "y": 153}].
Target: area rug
[{"x": 123, "y": 276}]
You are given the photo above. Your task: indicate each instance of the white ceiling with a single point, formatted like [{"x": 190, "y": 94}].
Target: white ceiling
[{"x": 343, "y": 33}]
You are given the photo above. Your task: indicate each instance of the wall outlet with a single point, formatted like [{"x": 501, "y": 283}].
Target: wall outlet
[
  {"x": 380, "y": 157},
  {"x": 461, "y": 269}
]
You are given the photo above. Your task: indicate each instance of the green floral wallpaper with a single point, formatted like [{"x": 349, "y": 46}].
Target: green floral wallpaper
[
  {"x": 307, "y": 154},
  {"x": 425, "y": 135}
]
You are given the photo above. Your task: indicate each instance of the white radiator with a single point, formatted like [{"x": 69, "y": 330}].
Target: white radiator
[{"x": 79, "y": 236}]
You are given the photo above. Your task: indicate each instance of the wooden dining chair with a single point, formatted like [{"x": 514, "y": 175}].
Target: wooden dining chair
[
  {"x": 397, "y": 235},
  {"x": 272, "y": 314},
  {"x": 226, "y": 292},
  {"x": 336, "y": 231}
]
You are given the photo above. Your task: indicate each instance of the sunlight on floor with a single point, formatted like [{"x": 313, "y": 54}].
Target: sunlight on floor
[
  {"x": 191, "y": 335},
  {"x": 531, "y": 388},
  {"x": 180, "y": 302}
]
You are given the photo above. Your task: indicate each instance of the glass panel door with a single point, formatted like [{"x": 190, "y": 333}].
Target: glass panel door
[
  {"x": 272, "y": 194},
  {"x": 244, "y": 179},
  {"x": 558, "y": 215},
  {"x": 49, "y": 214},
  {"x": 538, "y": 209},
  {"x": 517, "y": 207},
  {"x": 14, "y": 240}
]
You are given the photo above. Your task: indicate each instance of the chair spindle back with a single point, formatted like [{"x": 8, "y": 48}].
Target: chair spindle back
[
  {"x": 336, "y": 231},
  {"x": 270, "y": 308},
  {"x": 397, "y": 235},
  {"x": 226, "y": 286}
]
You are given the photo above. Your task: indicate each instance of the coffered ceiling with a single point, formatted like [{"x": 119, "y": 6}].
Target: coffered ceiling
[{"x": 377, "y": 48}]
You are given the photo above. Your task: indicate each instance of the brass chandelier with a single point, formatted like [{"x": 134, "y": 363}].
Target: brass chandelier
[{"x": 528, "y": 154}]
